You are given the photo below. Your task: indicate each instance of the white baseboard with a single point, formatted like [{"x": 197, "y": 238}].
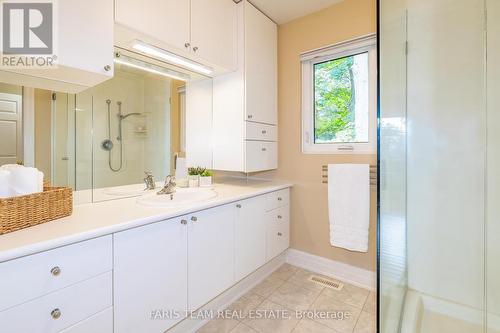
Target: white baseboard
[
  {"x": 335, "y": 269},
  {"x": 228, "y": 297}
]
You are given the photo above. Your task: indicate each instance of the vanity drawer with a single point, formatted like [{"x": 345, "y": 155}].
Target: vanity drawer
[
  {"x": 60, "y": 309},
  {"x": 98, "y": 323},
  {"x": 279, "y": 215},
  {"x": 33, "y": 276},
  {"x": 261, "y": 156},
  {"x": 263, "y": 132},
  {"x": 278, "y": 239},
  {"x": 278, "y": 199}
]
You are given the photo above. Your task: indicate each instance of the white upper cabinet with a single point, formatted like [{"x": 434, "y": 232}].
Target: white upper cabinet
[
  {"x": 213, "y": 31},
  {"x": 245, "y": 111},
  {"x": 203, "y": 31},
  {"x": 150, "y": 273},
  {"x": 83, "y": 46},
  {"x": 199, "y": 123},
  {"x": 261, "y": 67},
  {"x": 166, "y": 20}
]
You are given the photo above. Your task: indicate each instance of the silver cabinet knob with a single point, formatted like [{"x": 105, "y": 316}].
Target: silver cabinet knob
[
  {"x": 184, "y": 222},
  {"x": 279, "y": 199},
  {"x": 55, "y": 271},
  {"x": 264, "y": 131},
  {"x": 280, "y": 217},
  {"x": 280, "y": 234},
  {"x": 186, "y": 45},
  {"x": 264, "y": 149},
  {"x": 194, "y": 218},
  {"x": 249, "y": 116},
  {"x": 238, "y": 206},
  {"x": 107, "y": 68},
  {"x": 195, "y": 48},
  {"x": 56, "y": 313}
]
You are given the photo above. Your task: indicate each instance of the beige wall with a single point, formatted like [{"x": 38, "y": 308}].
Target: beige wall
[{"x": 309, "y": 215}]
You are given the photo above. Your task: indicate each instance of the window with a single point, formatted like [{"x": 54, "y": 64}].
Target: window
[{"x": 339, "y": 98}]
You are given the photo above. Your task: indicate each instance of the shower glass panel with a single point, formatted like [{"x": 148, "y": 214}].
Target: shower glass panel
[
  {"x": 493, "y": 169},
  {"x": 392, "y": 132},
  {"x": 444, "y": 89}
]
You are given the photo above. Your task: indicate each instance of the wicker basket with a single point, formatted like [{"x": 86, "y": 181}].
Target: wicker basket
[{"x": 29, "y": 210}]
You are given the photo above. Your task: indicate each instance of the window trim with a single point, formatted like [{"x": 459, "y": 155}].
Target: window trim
[{"x": 308, "y": 60}]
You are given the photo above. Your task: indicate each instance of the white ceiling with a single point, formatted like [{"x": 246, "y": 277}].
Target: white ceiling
[{"x": 282, "y": 11}]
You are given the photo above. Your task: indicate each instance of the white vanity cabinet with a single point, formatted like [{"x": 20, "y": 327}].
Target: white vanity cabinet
[
  {"x": 250, "y": 236},
  {"x": 210, "y": 253},
  {"x": 150, "y": 274},
  {"x": 143, "y": 279},
  {"x": 83, "y": 39},
  {"x": 278, "y": 222},
  {"x": 200, "y": 30},
  {"x": 245, "y": 113},
  {"x": 59, "y": 289}
]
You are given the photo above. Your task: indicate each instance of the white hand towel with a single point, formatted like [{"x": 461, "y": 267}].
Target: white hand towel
[
  {"x": 349, "y": 205},
  {"x": 5, "y": 190},
  {"x": 24, "y": 180}
]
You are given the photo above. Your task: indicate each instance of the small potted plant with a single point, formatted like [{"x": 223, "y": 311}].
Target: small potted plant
[
  {"x": 206, "y": 178},
  {"x": 194, "y": 176}
]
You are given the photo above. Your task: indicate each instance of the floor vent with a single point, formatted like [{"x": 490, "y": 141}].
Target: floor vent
[{"x": 332, "y": 284}]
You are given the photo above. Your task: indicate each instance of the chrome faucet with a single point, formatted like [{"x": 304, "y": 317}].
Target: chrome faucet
[
  {"x": 149, "y": 181},
  {"x": 169, "y": 187}
]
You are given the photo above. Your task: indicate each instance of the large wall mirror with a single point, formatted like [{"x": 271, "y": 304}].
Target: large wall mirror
[{"x": 102, "y": 141}]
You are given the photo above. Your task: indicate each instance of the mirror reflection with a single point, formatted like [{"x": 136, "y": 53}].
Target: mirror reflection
[{"x": 107, "y": 142}]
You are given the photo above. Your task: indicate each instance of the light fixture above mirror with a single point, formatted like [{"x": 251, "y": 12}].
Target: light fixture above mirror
[
  {"x": 157, "y": 52},
  {"x": 148, "y": 67}
]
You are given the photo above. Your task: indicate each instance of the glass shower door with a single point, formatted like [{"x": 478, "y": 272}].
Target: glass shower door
[
  {"x": 493, "y": 169},
  {"x": 392, "y": 161},
  {"x": 446, "y": 134}
]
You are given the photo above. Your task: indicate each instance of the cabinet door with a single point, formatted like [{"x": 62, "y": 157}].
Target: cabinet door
[
  {"x": 261, "y": 156},
  {"x": 150, "y": 274},
  {"x": 211, "y": 254},
  {"x": 278, "y": 231},
  {"x": 199, "y": 123},
  {"x": 79, "y": 48},
  {"x": 261, "y": 62},
  {"x": 166, "y": 20},
  {"x": 214, "y": 31},
  {"x": 82, "y": 59},
  {"x": 250, "y": 236}
]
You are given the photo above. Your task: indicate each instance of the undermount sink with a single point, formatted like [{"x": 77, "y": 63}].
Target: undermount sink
[{"x": 182, "y": 196}]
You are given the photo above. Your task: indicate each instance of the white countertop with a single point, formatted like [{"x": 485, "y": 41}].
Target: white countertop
[{"x": 103, "y": 218}]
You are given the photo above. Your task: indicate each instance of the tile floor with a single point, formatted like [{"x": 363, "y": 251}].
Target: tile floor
[{"x": 287, "y": 291}]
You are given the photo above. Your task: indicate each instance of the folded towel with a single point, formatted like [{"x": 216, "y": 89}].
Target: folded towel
[
  {"x": 24, "y": 181},
  {"x": 349, "y": 205},
  {"x": 9, "y": 167}
]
